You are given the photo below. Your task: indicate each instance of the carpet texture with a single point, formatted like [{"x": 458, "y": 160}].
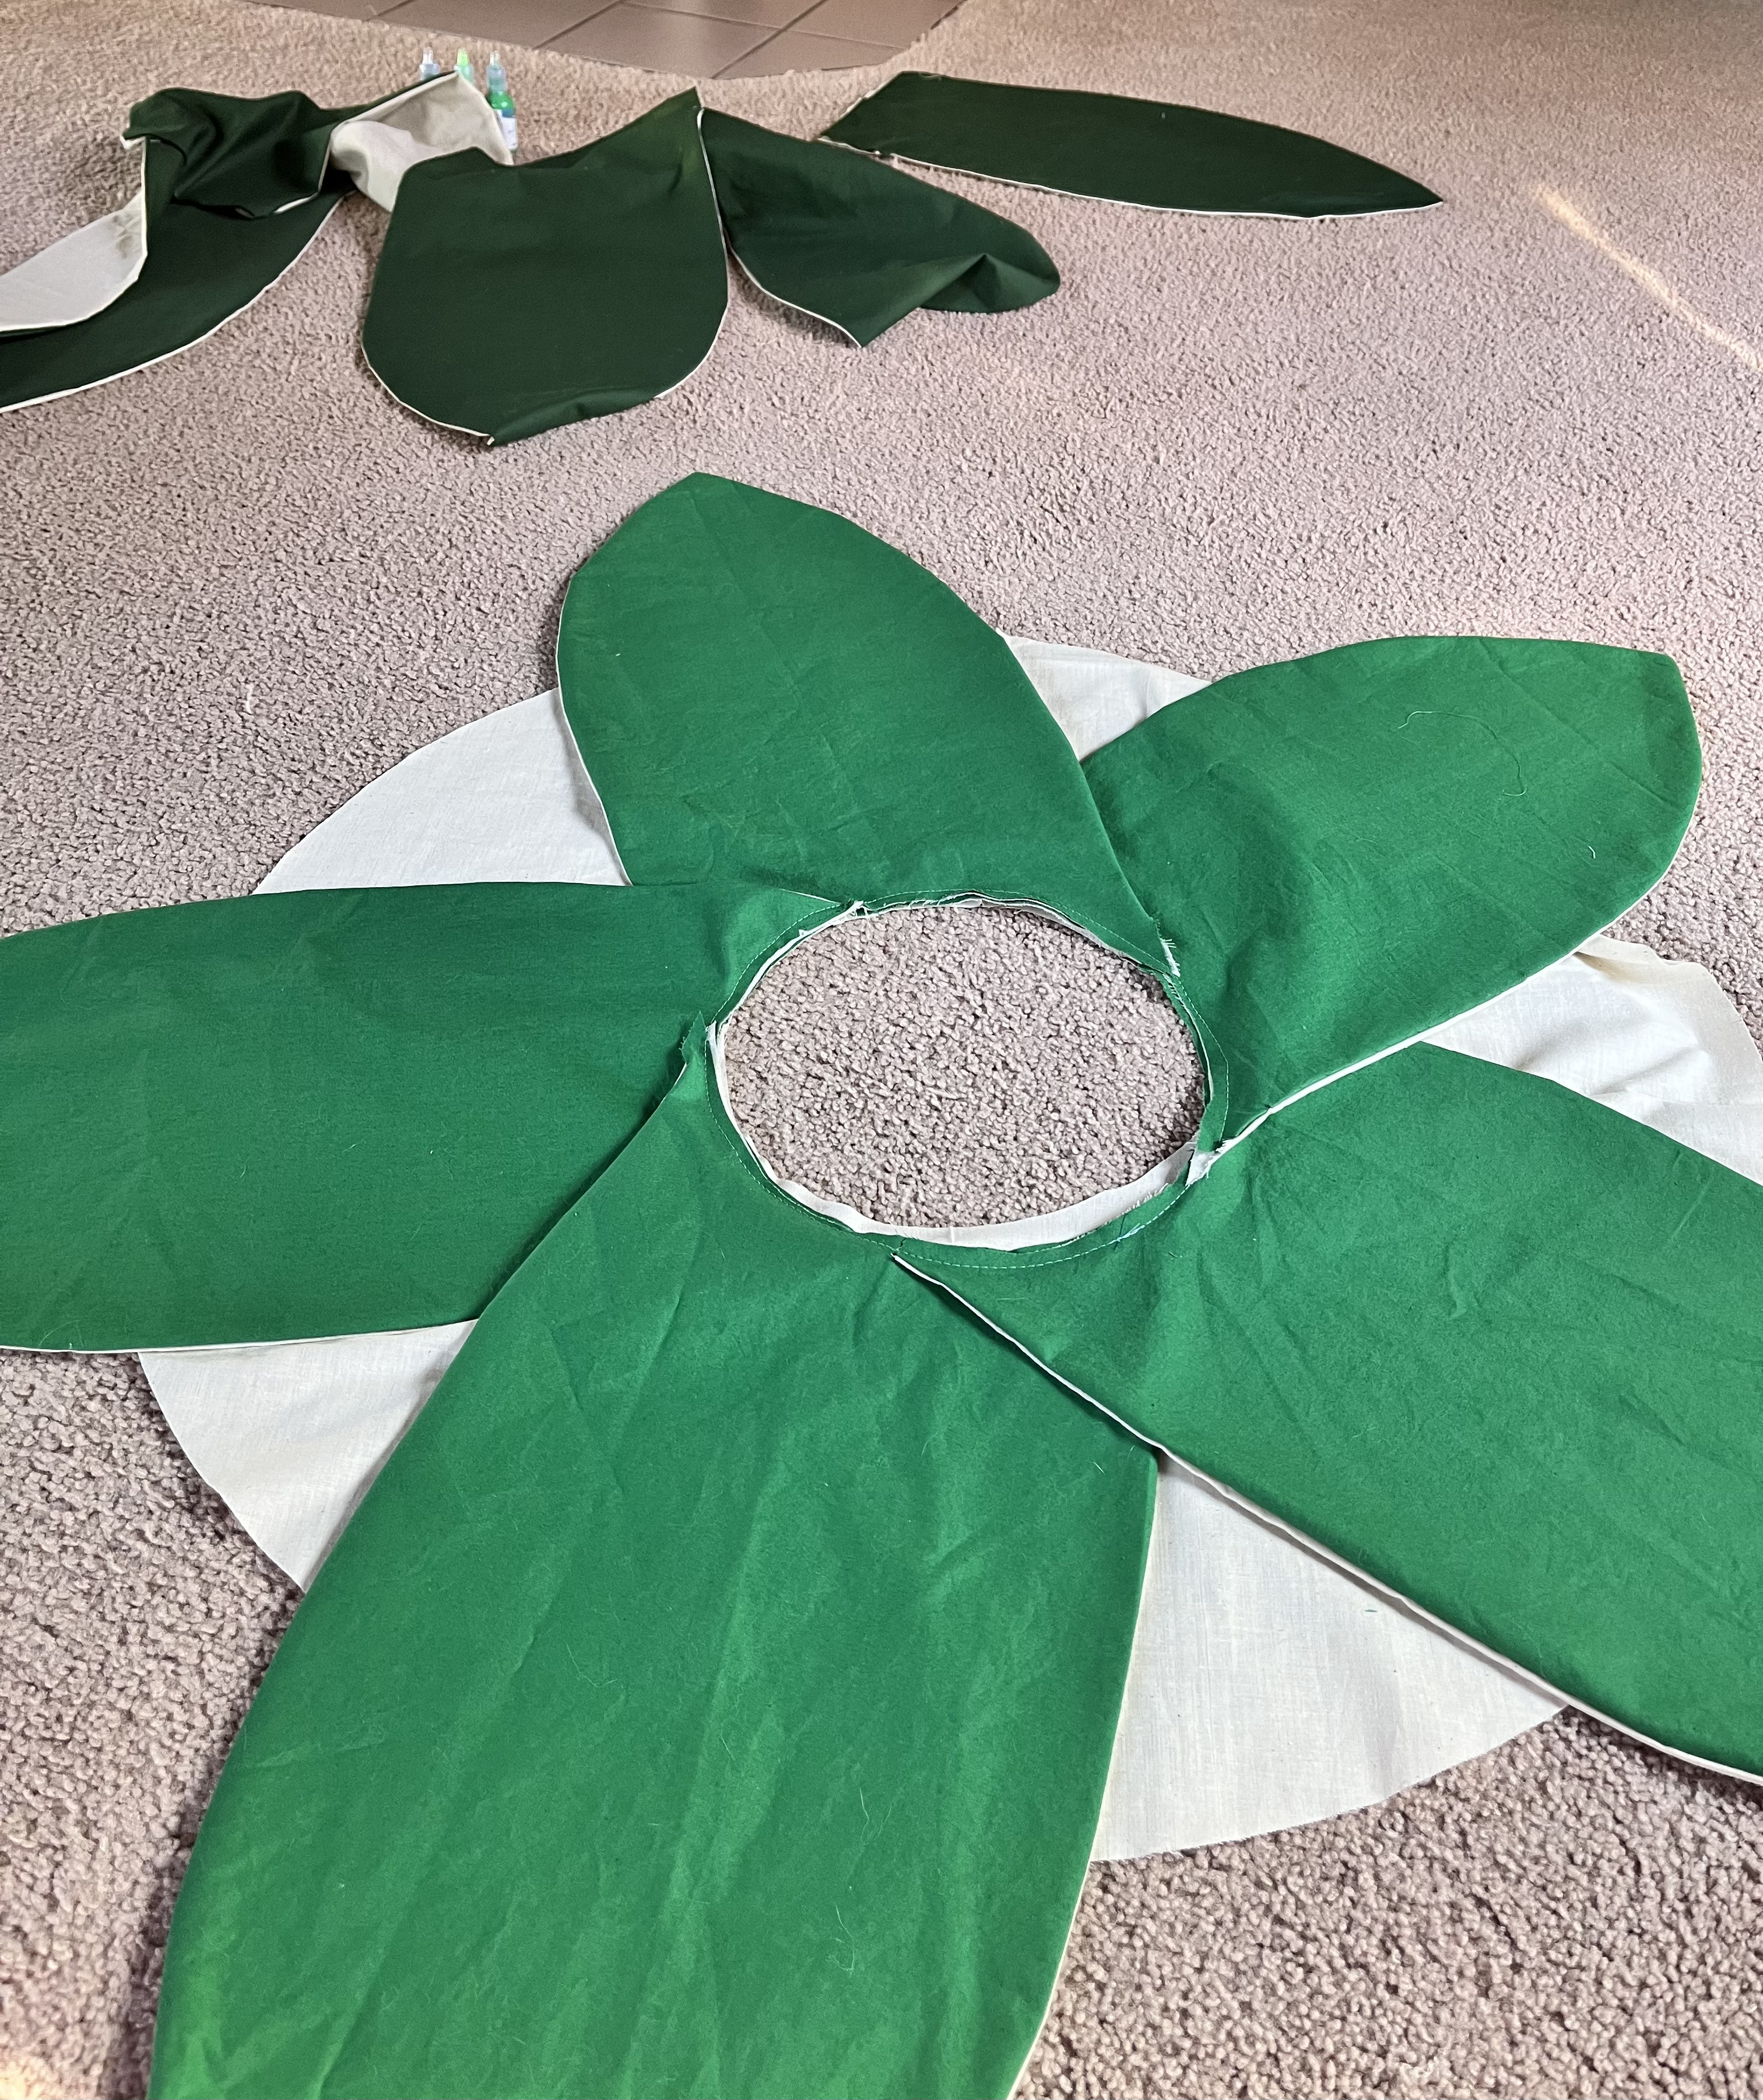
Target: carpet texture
[
  {"x": 241, "y": 584},
  {"x": 959, "y": 1067}
]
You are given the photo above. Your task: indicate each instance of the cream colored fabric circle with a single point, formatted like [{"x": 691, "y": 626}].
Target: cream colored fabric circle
[{"x": 1267, "y": 1687}]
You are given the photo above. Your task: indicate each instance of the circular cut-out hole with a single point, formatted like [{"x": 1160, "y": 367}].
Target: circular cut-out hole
[{"x": 949, "y": 1064}]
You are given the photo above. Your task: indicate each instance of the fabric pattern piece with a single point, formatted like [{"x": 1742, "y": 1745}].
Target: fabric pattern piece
[
  {"x": 1601, "y": 1533},
  {"x": 814, "y": 1799},
  {"x": 857, "y": 245},
  {"x": 1345, "y": 850},
  {"x": 510, "y": 300},
  {"x": 1120, "y": 148},
  {"x": 233, "y": 191},
  {"x": 805, "y": 635},
  {"x": 264, "y": 1118},
  {"x": 1379, "y": 1338}
]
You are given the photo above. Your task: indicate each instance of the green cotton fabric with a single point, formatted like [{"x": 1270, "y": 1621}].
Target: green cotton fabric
[
  {"x": 763, "y": 692},
  {"x": 1486, "y": 1340},
  {"x": 1347, "y": 850},
  {"x": 859, "y": 245},
  {"x": 1121, "y": 149},
  {"x": 713, "y": 1697},
  {"x": 236, "y": 190},
  {"x": 510, "y": 300},
  {"x": 333, "y": 1111},
  {"x": 257, "y": 157}
]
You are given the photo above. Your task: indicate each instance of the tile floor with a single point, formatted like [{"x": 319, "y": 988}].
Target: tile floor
[{"x": 720, "y": 39}]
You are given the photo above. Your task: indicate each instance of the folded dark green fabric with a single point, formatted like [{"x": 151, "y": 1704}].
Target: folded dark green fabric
[
  {"x": 860, "y": 245},
  {"x": 236, "y": 190}
]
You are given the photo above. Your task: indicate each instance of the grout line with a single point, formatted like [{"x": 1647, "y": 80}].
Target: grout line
[
  {"x": 593, "y": 14},
  {"x": 795, "y": 22}
]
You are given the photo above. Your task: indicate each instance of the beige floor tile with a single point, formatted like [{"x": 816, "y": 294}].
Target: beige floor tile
[
  {"x": 765, "y": 14},
  {"x": 357, "y": 10},
  {"x": 893, "y": 22},
  {"x": 790, "y": 51},
  {"x": 625, "y": 35},
  {"x": 529, "y": 22}
]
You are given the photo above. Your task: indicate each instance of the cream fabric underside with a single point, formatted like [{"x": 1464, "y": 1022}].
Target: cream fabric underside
[
  {"x": 80, "y": 274},
  {"x": 86, "y": 270},
  {"x": 1267, "y": 1687}
]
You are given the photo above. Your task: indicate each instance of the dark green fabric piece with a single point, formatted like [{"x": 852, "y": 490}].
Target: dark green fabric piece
[
  {"x": 1120, "y": 148},
  {"x": 335, "y": 1111},
  {"x": 861, "y": 246},
  {"x": 235, "y": 192},
  {"x": 1347, "y": 850},
  {"x": 764, "y": 692},
  {"x": 1488, "y": 1341},
  {"x": 256, "y": 157},
  {"x": 510, "y": 300},
  {"x": 713, "y": 1697}
]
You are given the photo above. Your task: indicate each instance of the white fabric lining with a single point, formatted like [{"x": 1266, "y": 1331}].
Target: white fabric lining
[
  {"x": 83, "y": 272},
  {"x": 1268, "y": 1687}
]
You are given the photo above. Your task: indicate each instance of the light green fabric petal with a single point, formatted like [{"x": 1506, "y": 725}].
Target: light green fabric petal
[
  {"x": 763, "y": 691},
  {"x": 1345, "y": 850},
  {"x": 334, "y": 1111},
  {"x": 713, "y": 1696},
  {"x": 1494, "y": 1344},
  {"x": 1115, "y": 145},
  {"x": 510, "y": 300},
  {"x": 858, "y": 244}
]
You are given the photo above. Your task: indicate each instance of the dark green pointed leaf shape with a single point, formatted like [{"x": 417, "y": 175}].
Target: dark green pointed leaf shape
[
  {"x": 510, "y": 300},
  {"x": 1120, "y": 148},
  {"x": 1345, "y": 850},
  {"x": 1486, "y": 1340},
  {"x": 332, "y": 1111},
  {"x": 713, "y": 1697},
  {"x": 858, "y": 244},
  {"x": 764, "y": 692}
]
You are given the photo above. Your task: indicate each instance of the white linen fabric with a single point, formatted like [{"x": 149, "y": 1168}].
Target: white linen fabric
[
  {"x": 1267, "y": 1687},
  {"x": 80, "y": 274},
  {"x": 1655, "y": 1040},
  {"x": 446, "y": 115},
  {"x": 506, "y": 798}
]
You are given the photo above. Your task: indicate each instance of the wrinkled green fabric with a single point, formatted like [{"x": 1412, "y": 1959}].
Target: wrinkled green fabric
[
  {"x": 1487, "y": 1341},
  {"x": 236, "y": 190},
  {"x": 333, "y": 1111},
  {"x": 257, "y": 156},
  {"x": 509, "y": 300},
  {"x": 713, "y": 1696},
  {"x": 763, "y": 692},
  {"x": 1345, "y": 850},
  {"x": 861, "y": 246},
  {"x": 1120, "y": 148}
]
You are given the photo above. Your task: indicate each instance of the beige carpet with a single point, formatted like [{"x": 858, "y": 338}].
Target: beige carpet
[{"x": 239, "y": 585}]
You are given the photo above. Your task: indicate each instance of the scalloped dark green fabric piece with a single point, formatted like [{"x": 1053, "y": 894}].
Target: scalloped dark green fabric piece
[
  {"x": 713, "y": 1695},
  {"x": 507, "y": 300},
  {"x": 861, "y": 246},
  {"x": 1488, "y": 1342},
  {"x": 1121, "y": 149},
  {"x": 332, "y": 1112},
  {"x": 764, "y": 692},
  {"x": 1345, "y": 850}
]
